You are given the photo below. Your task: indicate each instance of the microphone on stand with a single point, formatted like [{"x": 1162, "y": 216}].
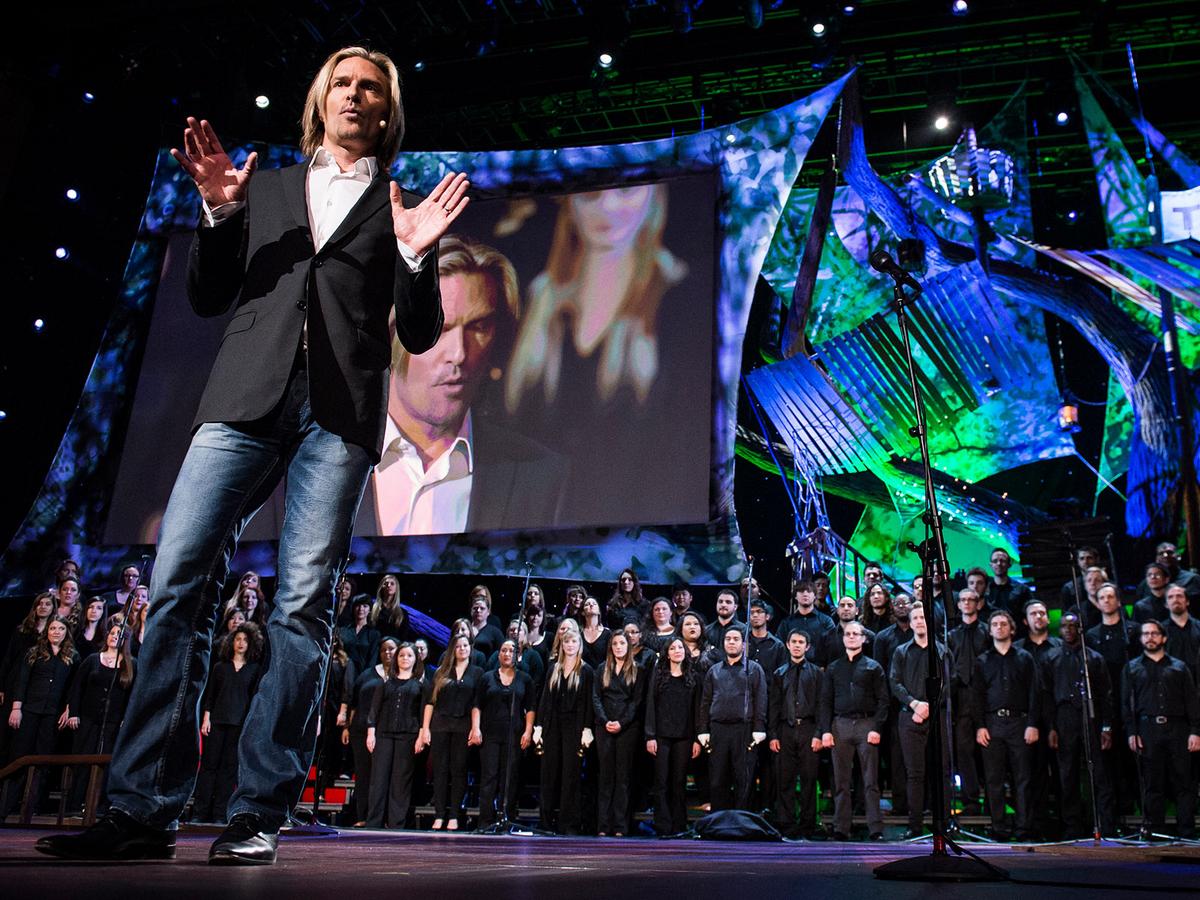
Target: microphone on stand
[{"x": 882, "y": 262}]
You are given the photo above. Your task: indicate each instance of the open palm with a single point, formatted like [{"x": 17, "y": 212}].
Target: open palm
[
  {"x": 423, "y": 225},
  {"x": 206, "y": 161}
]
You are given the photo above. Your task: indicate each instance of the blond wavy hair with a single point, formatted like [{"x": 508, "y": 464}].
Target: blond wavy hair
[{"x": 312, "y": 126}]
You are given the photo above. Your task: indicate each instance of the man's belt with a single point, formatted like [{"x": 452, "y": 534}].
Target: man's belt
[{"x": 1160, "y": 720}]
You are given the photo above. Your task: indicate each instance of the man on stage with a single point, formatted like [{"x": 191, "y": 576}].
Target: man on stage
[{"x": 313, "y": 258}]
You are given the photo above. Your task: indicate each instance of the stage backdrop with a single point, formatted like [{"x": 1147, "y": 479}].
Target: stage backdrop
[{"x": 639, "y": 422}]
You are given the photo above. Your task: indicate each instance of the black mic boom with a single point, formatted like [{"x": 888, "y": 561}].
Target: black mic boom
[{"x": 881, "y": 261}]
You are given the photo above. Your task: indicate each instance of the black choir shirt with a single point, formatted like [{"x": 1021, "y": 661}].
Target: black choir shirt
[
  {"x": 497, "y": 702},
  {"x": 671, "y": 707},
  {"x": 734, "y": 693},
  {"x": 1007, "y": 681},
  {"x": 452, "y": 708},
  {"x": 886, "y": 643},
  {"x": 620, "y": 702},
  {"x": 567, "y": 710},
  {"x": 794, "y": 696},
  {"x": 96, "y": 685},
  {"x": 908, "y": 672},
  {"x": 362, "y": 647},
  {"x": 815, "y": 625},
  {"x": 1066, "y": 687},
  {"x": 967, "y": 642},
  {"x": 362, "y": 695},
  {"x": 832, "y": 646},
  {"x": 855, "y": 688},
  {"x": 397, "y": 707},
  {"x": 768, "y": 651},
  {"x": 488, "y": 640},
  {"x": 1183, "y": 643},
  {"x": 1012, "y": 597},
  {"x": 1162, "y": 688},
  {"x": 42, "y": 685},
  {"x": 227, "y": 697}
]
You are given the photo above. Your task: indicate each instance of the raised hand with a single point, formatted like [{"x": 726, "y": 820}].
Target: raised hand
[
  {"x": 422, "y": 226},
  {"x": 210, "y": 166}
]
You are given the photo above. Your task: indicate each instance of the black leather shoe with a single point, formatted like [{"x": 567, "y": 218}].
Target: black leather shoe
[
  {"x": 876, "y": 836},
  {"x": 912, "y": 834},
  {"x": 114, "y": 836},
  {"x": 839, "y": 836},
  {"x": 244, "y": 842}
]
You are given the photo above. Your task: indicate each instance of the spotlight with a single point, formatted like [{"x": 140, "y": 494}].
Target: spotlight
[
  {"x": 960, "y": 7},
  {"x": 88, "y": 96},
  {"x": 262, "y": 101},
  {"x": 818, "y": 28},
  {"x": 419, "y": 65},
  {"x": 1063, "y": 118},
  {"x": 605, "y": 60},
  {"x": 730, "y": 138},
  {"x": 1072, "y": 215},
  {"x": 62, "y": 253},
  {"x": 849, "y": 9},
  {"x": 39, "y": 324},
  {"x": 72, "y": 194},
  {"x": 3, "y": 415},
  {"x": 752, "y": 12},
  {"x": 941, "y": 123}
]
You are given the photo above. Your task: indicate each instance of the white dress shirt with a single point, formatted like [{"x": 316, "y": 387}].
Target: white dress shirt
[
  {"x": 411, "y": 499},
  {"x": 331, "y": 194}
]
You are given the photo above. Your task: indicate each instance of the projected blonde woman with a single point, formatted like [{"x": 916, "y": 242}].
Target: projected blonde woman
[{"x": 598, "y": 296}]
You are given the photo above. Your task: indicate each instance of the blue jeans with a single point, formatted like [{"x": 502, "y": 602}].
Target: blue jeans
[{"x": 228, "y": 473}]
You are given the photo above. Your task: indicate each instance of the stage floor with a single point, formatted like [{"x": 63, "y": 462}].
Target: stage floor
[{"x": 356, "y": 865}]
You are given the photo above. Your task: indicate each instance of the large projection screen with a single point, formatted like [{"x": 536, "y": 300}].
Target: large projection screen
[{"x": 590, "y": 407}]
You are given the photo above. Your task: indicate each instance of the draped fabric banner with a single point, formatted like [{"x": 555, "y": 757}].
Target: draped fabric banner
[{"x": 751, "y": 164}]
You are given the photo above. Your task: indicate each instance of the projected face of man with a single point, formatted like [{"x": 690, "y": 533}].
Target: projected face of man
[
  {"x": 431, "y": 394},
  {"x": 608, "y": 220}
]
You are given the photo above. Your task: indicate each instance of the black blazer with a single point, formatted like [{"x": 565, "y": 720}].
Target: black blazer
[{"x": 262, "y": 259}]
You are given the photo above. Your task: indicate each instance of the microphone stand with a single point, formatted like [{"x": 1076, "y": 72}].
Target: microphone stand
[
  {"x": 503, "y": 825},
  {"x": 939, "y": 866}
]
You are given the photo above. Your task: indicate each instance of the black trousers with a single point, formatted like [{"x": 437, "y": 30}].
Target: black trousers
[
  {"x": 1167, "y": 770},
  {"x": 914, "y": 744},
  {"x": 670, "y": 784},
  {"x": 86, "y": 739},
  {"x": 37, "y": 735},
  {"x": 362, "y": 773},
  {"x": 449, "y": 752},
  {"x": 850, "y": 740},
  {"x": 796, "y": 759},
  {"x": 561, "y": 770},
  {"x": 218, "y": 773},
  {"x": 494, "y": 757},
  {"x": 1007, "y": 755},
  {"x": 615, "y": 754},
  {"x": 393, "y": 765},
  {"x": 896, "y": 776},
  {"x": 965, "y": 748},
  {"x": 730, "y": 765},
  {"x": 1072, "y": 770}
]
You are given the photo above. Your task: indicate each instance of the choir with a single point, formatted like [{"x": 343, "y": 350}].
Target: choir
[{"x": 606, "y": 712}]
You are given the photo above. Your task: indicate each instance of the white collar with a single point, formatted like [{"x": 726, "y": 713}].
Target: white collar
[
  {"x": 365, "y": 165},
  {"x": 405, "y": 447}
]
